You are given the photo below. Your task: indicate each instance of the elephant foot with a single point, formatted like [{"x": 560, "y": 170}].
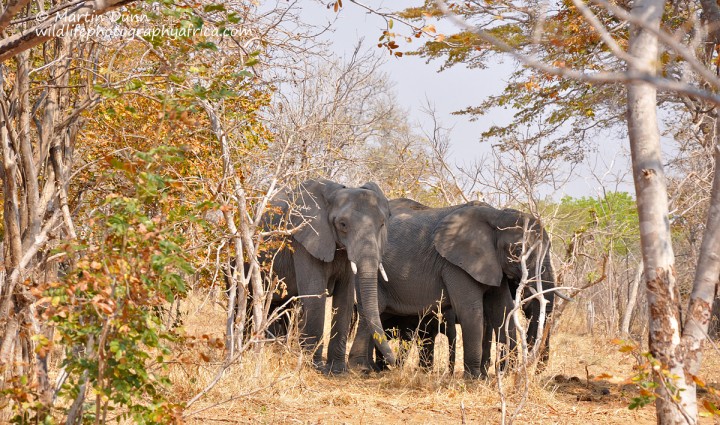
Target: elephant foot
[
  {"x": 318, "y": 365},
  {"x": 335, "y": 369},
  {"x": 362, "y": 365},
  {"x": 380, "y": 367},
  {"x": 475, "y": 375}
]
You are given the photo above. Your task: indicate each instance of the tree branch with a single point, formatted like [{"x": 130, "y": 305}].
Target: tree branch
[{"x": 52, "y": 26}]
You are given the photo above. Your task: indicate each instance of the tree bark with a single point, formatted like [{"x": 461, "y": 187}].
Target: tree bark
[
  {"x": 673, "y": 407},
  {"x": 632, "y": 300},
  {"x": 704, "y": 285},
  {"x": 12, "y": 8}
]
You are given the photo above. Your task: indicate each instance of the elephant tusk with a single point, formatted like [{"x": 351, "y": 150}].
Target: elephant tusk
[
  {"x": 558, "y": 293},
  {"x": 353, "y": 266},
  {"x": 382, "y": 273},
  {"x": 563, "y": 296}
]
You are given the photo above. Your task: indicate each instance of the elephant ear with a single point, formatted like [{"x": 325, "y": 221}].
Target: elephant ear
[
  {"x": 308, "y": 209},
  {"x": 465, "y": 239}
]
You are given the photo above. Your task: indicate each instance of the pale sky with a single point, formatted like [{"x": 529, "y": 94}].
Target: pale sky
[{"x": 452, "y": 90}]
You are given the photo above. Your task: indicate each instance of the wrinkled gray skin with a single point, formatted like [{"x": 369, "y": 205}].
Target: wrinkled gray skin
[
  {"x": 461, "y": 255},
  {"x": 334, "y": 226}
]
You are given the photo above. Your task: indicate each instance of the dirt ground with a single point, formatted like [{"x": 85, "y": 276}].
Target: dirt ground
[{"x": 278, "y": 388}]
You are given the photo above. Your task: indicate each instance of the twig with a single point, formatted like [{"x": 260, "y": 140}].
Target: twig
[
  {"x": 235, "y": 397},
  {"x": 600, "y": 77}
]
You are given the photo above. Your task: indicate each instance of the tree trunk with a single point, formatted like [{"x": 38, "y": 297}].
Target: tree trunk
[
  {"x": 590, "y": 317},
  {"x": 655, "y": 237},
  {"x": 632, "y": 300},
  {"x": 704, "y": 285}
]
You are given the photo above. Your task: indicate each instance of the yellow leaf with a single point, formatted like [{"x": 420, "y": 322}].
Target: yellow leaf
[
  {"x": 440, "y": 38},
  {"x": 710, "y": 407},
  {"x": 699, "y": 382},
  {"x": 429, "y": 28}
]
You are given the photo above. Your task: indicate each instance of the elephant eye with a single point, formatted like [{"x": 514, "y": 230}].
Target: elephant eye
[{"x": 342, "y": 225}]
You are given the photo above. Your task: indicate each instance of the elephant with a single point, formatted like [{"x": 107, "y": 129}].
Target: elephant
[
  {"x": 416, "y": 327},
  {"x": 463, "y": 258},
  {"x": 337, "y": 237}
]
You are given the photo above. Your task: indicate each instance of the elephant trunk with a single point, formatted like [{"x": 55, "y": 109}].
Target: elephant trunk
[{"x": 368, "y": 283}]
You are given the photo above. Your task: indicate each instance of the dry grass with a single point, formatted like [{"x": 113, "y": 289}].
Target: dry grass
[{"x": 270, "y": 388}]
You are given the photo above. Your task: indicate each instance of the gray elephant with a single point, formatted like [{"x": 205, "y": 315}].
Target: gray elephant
[
  {"x": 462, "y": 258},
  {"x": 338, "y": 237}
]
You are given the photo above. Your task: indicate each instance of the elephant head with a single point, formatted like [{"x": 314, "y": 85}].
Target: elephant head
[
  {"x": 487, "y": 243},
  {"x": 328, "y": 217}
]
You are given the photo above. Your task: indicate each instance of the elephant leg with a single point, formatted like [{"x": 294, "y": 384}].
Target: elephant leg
[
  {"x": 342, "y": 301},
  {"x": 487, "y": 346},
  {"x": 511, "y": 343},
  {"x": 312, "y": 327},
  {"x": 279, "y": 328},
  {"x": 312, "y": 284},
  {"x": 498, "y": 304},
  {"x": 466, "y": 297}
]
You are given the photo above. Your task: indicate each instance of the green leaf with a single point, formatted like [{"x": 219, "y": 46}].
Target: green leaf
[
  {"x": 233, "y": 17},
  {"x": 217, "y": 7},
  {"x": 207, "y": 45},
  {"x": 134, "y": 84},
  {"x": 106, "y": 92},
  {"x": 176, "y": 78}
]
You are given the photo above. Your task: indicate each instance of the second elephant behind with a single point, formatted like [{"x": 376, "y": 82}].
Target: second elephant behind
[{"x": 463, "y": 258}]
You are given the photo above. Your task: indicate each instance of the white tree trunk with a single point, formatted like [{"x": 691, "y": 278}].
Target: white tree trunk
[
  {"x": 655, "y": 238},
  {"x": 705, "y": 284},
  {"x": 632, "y": 300}
]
